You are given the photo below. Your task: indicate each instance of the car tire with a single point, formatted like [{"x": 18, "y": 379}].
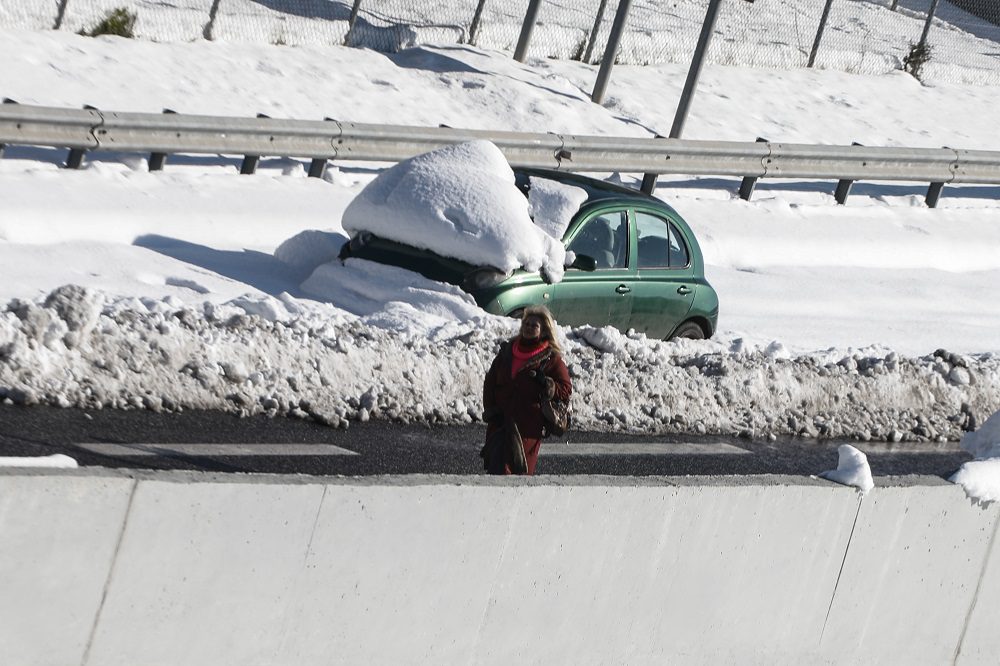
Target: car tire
[{"x": 690, "y": 331}]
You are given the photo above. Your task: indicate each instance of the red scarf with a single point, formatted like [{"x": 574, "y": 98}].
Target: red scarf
[{"x": 524, "y": 352}]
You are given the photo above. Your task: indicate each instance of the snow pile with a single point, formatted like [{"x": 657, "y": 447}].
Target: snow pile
[
  {"x": 296, "y": 357},
  {"x": 852, "y": 469},
  {"x": 460, "y": 202},
  {"x": 981, "y": 477},
  {"x": 395, "y": 298},
  {"x": 553, "y": 204}
]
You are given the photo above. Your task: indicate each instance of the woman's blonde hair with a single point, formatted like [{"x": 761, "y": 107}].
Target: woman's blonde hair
[{"x": 548, "y": 325}]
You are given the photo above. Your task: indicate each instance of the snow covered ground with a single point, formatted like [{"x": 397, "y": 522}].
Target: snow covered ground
[{"x": 195, "y": 287}]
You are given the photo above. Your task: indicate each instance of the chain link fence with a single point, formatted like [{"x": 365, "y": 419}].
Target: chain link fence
[{"x": 860, "y": 36}]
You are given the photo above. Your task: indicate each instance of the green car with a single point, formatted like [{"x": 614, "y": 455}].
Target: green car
[{"x": 638, "y": 266}]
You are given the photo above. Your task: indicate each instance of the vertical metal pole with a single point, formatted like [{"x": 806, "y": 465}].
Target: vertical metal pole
[
  {"x": 610, "y": 51},
  {"x": 75, "y": 158},
  {"x": 749, "y": 182},
  {"x": 819, "y": 33},
  {"x": 157, "y": 160},
  {"x": 476, "y": 18},
  {"x": 355, "y": 8},
  {"x": 927, "y": 24},
  {"x": 593, "y": 33},
  {"x": 530, "y": 17},
  {"x": 892, "y": 8},
  {"x": 317, "y": 167},
  {"x": 933, "y": 194},
  {"x": 649, "y": 179}
]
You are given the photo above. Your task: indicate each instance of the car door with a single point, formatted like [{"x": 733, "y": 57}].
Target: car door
[
  {"x": 664, "y": 289},
  {"x": 602, "y": 296}
]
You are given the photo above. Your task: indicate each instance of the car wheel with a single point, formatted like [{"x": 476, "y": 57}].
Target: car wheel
[{"x": 690, "y": 331}]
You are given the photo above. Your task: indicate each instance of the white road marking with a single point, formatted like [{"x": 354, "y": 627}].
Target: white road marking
[
  {"x": 205, "y": 450},
  {"x": 638, "y": 448}
]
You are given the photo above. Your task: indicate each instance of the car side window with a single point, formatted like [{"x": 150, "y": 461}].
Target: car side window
[
  {"x": 659, "y": 243},
  {"x": 605, "y": 238}
]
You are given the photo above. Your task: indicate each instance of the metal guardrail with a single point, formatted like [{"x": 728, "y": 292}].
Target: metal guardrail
[{"x": 90, "y": 129}]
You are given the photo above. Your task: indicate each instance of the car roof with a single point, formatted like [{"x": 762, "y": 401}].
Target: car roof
[{"x": 597, "y": 190}]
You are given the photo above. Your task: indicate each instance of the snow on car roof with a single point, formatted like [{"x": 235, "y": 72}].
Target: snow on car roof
[{"x": 462, "y": 201}]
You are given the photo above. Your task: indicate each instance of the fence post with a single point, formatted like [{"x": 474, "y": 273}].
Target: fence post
[
  {"x": 206, "y": 32},
  {"x": 819, "y": 33},
  {"x": 610, "y": 51},
  {"x": 593, "y": 33},
  {"x": 530, "y": 17},
  {"x": 61, "y": 15},
  {"x": 355, "y": 8},
  {"x": 892, "y": 8},
  {"x": 649, "y": 179},
  {"x": 476, "y": 18},
  {"x": 927, "y": 24}
]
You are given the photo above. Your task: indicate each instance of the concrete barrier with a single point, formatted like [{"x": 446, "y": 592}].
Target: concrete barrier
[{"x": 206, "y": 569}]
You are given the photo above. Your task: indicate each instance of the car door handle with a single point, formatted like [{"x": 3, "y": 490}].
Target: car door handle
[
  {"x": 683, "y": 290},
  {"x": 622, "y": 289}
]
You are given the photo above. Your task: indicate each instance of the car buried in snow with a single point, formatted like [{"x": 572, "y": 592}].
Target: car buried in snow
[{"x": 637, "y": 266}]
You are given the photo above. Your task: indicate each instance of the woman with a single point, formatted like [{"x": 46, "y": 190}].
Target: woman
[{"x": 528, "y": 368}]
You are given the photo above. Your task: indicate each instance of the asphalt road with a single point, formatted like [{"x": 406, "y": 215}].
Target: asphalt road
[{"x": 220, "y": 442}]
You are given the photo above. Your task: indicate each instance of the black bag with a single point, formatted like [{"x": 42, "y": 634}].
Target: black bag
[
  {"x": 504, "y": 447},
  {"x": 557, "y": 416}
]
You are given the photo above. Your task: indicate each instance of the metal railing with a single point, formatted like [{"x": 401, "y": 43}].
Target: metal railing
[{"x": 89, "y": 129}]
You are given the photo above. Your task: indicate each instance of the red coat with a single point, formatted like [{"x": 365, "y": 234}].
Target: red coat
[{"x": 519, "y": 399}]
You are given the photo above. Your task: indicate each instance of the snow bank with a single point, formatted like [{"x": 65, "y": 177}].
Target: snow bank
[
  {"x": 295, "y": 357},
  {"x": 460, "y": 202},
  {"x": 981, "y": 477}
]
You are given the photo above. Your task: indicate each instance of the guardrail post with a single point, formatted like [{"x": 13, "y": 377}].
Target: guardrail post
[
  {"x": 75, "y": 158},
  {"x": 933, "y": 194},
  {"x": 250, "y": 162},
  {"x": 3, "y": 146},
  {"x": 317, "y": 167},
  {"x": 530, "y": 17},
  {"x": 157, "y": 160},
  {"x": 749, "y": 182},
  {"x": 844, "y": 186}
]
